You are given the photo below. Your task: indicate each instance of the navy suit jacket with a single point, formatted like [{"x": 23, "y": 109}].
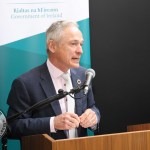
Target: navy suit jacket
[{"x": 34, "y": 86}]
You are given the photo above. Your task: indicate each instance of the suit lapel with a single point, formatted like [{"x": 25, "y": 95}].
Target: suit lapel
[
  {"x": 76, "y": 81},
  {"x": 48, "y": 87}
]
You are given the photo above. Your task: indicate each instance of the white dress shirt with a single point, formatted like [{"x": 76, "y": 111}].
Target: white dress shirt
[{"x": 59, "y": 83}]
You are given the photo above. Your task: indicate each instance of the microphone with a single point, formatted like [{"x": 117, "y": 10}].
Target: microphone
[
  {"x": 90, "y": 74},
  {"x": 3, "y": 124}
]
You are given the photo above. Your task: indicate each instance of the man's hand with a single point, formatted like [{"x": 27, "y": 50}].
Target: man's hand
[
  {"x": 88, "y": 118},
  {"x": 66, "y": 121}
]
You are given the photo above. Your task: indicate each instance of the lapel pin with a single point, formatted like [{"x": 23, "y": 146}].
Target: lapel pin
[{"x": 78, "y": 81}]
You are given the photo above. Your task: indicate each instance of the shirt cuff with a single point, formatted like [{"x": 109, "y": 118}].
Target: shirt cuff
[{"x": 52, "y": 129}]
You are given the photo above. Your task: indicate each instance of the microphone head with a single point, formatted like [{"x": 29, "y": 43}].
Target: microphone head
[
  {"x": 90, "y": 71},
  {"x": 3, "y": 124}
]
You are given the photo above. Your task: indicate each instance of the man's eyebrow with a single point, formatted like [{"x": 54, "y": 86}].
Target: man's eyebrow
[{"x": 77, "y": 41}]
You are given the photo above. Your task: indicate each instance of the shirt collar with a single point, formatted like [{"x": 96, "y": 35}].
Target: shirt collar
[{"x": 54, "y": 71}]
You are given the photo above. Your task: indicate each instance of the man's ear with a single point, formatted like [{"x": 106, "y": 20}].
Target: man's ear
[{"x": 52, "y": 46}]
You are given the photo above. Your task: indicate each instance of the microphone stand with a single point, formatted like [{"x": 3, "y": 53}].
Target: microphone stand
[{"x": 42, "y": 103}]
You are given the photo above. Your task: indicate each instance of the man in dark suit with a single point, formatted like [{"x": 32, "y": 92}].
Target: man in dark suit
[{"x": 64, "y": 48}]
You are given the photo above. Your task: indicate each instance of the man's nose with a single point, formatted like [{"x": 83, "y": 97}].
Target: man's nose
[{"x": 79, "y": 49}]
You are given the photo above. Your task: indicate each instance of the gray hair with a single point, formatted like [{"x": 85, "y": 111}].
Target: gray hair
[{"x": 55, "y": 31}]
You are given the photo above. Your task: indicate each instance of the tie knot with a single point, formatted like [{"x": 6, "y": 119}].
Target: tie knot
[{"x": 66, "y": 76}]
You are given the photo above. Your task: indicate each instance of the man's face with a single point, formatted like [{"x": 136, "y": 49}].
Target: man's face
[{"x": 68, "y": 51}]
